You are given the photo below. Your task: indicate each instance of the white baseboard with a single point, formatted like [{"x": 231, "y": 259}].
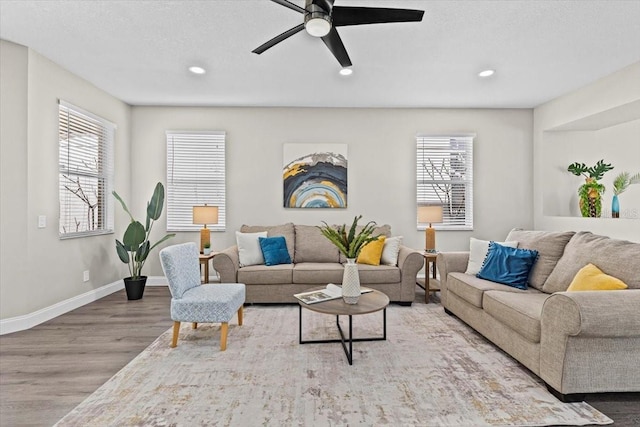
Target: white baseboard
[{"x": 27, "y": 321}]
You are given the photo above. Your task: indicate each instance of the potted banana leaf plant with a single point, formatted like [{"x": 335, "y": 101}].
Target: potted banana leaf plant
[
  {"x": 591, "y": 191},
  {"x": 135, "y": 247}
]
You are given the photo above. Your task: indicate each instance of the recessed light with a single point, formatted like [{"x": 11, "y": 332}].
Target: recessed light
[
  {"x": 346, "y": 71},
  {"x": 197, "y": 70},
  {"x": 486, "y": 73}
]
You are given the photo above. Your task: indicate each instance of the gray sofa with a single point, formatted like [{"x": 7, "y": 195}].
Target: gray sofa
[
  {"x": 576, "y": 342},
  {"x": 316, "y": 262}
]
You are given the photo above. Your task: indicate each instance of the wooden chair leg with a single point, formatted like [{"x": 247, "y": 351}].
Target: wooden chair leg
[
  {"x": 194, "y": 325},
  {"x": 176, "y": 331},
  {"x": 240, "y": 311},
  {"x": 224, "y": 328}
]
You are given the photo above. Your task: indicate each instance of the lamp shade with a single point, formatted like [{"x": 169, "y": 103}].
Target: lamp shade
[
  {"x": 430, "y": 214},
  {"x": 205, "y": 214}
]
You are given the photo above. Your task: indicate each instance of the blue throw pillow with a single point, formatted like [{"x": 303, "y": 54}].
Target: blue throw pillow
[
  {"x": 274, "y": 250},
  {"x": 509, "y": 266}
]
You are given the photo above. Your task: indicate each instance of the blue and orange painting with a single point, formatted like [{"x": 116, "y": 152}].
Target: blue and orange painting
[{"x": 315, "y": 175}]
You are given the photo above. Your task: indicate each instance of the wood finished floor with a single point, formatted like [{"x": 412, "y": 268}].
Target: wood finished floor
[{"x": 48, "y": 370}]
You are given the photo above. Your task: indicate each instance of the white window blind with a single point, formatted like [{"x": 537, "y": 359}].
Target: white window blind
[
  {"x": 445, "y": 177},
  {"x": 85, "y": 172},
  {"x": 195, "y": 176}
]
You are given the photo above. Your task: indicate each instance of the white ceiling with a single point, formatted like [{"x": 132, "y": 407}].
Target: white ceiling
[{"x": 139, "y": 51}]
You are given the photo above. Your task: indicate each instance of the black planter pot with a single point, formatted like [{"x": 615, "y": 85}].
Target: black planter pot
[{"x": 135, "y": 287}]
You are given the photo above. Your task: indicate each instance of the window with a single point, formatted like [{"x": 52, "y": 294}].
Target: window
[
  {"x": 195, "y": 176},
  {"x": 445, "y": 177},
  {"x": 85, "y": 172}
]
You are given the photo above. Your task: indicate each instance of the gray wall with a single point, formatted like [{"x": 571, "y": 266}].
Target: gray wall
[
  {"x": 38, "y": 269},
  {"x": 381, "y": 150},
  {"x": 606, "y": 119}
]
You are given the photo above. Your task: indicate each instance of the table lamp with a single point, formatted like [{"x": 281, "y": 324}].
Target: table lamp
[
  {"x": 430, "y": 214},
  {"x": 205, "y": 215}
]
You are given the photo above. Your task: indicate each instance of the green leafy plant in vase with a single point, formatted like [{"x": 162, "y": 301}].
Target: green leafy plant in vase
[
  {"x": 350, "y": 243},
  {"x": 590, "y": 193},
  {"x": 620, "y": 185},
  {"x": 135, "y": 247}
]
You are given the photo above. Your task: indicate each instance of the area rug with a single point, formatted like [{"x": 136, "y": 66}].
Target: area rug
[{"x": 431, "y": 371}]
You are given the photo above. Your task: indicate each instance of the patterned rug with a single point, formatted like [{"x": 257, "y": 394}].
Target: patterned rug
[{"x": 432, "y": 371}]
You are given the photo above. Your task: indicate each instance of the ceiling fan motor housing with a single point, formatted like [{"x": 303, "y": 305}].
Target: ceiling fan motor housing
[{"x": 317, "y": 21}]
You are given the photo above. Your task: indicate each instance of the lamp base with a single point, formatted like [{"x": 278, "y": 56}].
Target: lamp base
[
  {"x": 430, "y": 239},
  {"x": 205, "y": 237}
]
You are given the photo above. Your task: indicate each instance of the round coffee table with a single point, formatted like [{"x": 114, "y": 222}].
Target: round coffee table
[{"x": 369, "y": 302}]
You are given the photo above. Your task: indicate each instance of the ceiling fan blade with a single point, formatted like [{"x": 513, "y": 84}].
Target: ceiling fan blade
[
  {"x": 347, "y": 15},
  {"x": 289, "y": 5},
  {"x": 274, "y": 41},
  {"x": 334, "y": 43},
  {"x": 326, "y": 5}
]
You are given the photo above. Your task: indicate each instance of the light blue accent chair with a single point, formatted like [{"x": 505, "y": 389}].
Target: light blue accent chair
[{"x": 196, "y": 303}]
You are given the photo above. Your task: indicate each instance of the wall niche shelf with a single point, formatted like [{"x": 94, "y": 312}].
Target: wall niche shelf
[{"x": 612, "y": 135}]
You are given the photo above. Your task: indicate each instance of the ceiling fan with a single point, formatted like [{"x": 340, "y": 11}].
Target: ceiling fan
[{"x": 321, "y": 18}]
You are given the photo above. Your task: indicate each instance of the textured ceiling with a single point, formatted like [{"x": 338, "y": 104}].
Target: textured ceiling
[{"x": 139, "y": 51}]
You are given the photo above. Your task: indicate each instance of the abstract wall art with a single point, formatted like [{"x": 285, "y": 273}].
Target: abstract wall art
[{"x": 315, "y": 175}]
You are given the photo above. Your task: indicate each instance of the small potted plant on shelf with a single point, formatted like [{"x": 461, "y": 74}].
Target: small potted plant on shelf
[
  {"x": 135, "y": 247},
  {"x": 591, "y": 191},
  {"x": 206, "y": 250},
  {"x": 620, "y": 185},
  {"x": 350, "y": 244}
]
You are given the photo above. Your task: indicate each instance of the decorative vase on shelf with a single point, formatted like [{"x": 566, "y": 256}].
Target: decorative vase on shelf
[
  {"x": 615, "y": 207},
  {"x": 350, "y": 282}
]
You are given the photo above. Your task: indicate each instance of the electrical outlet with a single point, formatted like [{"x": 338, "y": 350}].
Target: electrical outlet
[
  {"x": 85, "y": 275},
  {"x": 42, "y": 221}
]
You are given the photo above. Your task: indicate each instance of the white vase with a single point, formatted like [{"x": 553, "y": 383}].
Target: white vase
[{"x": 350, "y": 282}]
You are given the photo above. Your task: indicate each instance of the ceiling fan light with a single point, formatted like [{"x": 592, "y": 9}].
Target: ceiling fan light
[
  {"x": 346, "y": 71},
  {"x": 316, "y": 21}
]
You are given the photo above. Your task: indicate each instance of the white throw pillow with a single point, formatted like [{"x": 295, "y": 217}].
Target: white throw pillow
[
  {"x": 478, "y": 252},
  {"x": 249, "y": 249},
  {"x": 390, "y": 251}
]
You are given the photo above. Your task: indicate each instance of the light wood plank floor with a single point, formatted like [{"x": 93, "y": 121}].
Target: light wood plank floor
[{"x": 47, "y": 370}]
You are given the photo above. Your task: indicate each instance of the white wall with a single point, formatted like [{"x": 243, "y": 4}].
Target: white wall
[
  {"x": 382, "y": 177},
  {"x": 38, "y": 269},
  {"x": 599, "y": 121}
]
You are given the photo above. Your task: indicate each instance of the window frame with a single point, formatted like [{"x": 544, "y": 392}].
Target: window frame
[
  {"x": 211, "y": 191},
  {"x": 80, "y": 120},
  {"x": 438, "y": 194}
]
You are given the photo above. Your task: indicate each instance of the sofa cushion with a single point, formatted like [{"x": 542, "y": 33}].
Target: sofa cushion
[
  {"x": 249, "y": 252},
  {"x": 381, "y": 230},
  {"x": 471, "y": 288},
  {"x": 550, "y": 246},
  {"x": 371, "y": 252},
  {"x": 591, "y": 278},
  {"x": 509, "y": 266},
  {"x": 378, "y": 274},
  {"x": 615, "y": 257},
  {"x": 285, "y": 230},
  {"x": 519, "y": 312},
  {"x": 320, "y": 273},
  {"x": 312, "y": 246},
  {"x": 274, "y": 250},
  {"x": 478, "y": 250},
  {"x": 266, "y": 275},
  {"x": 391, "y": 250}
]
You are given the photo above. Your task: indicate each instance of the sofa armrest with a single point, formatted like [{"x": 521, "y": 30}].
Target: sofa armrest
[
  {"x": 584, "y": 332},
  {"x": 451, "y": 262},
  {"x": 410, "y": 263},
  {"x": 227, "y": 264}
]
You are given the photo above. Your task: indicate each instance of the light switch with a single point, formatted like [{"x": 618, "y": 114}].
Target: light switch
[{"x": 42, "y": 221}]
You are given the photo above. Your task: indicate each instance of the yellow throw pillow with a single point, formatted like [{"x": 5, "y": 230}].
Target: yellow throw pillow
[
  {"x": 372, "y": 252},
  {"x": 591, "y": 278}
]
